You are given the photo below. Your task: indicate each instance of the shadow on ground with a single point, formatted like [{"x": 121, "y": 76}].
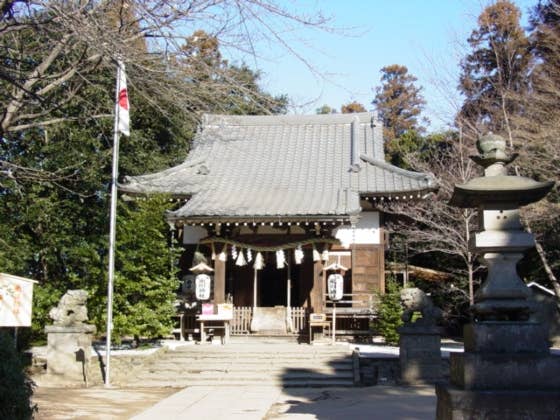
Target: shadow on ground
[
  {"x": 379, "y": 402},
  {"x": 359, "y": 402}
]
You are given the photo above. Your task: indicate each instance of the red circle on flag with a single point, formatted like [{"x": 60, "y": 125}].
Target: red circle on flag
[{"x": 123, "y": 99}]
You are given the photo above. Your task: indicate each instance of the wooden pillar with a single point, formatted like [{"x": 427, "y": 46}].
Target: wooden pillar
[
  {"x": 255, "y": 285},
  {"x": 317, "y": 295},
  {"x": 219, "y": 281}
]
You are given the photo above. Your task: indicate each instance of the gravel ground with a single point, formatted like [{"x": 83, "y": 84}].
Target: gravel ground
[{"x": 96, "y": 402}]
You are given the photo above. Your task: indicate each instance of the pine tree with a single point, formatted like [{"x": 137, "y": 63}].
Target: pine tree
[{"x": 399, "y": 101}]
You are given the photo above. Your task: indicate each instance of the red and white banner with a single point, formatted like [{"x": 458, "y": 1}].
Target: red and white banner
[{"x": 122, "y": 107}]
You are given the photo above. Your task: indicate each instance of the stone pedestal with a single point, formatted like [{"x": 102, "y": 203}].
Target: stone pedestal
[
  {"x": 506, "y": 372},
  {"x": 68, "y": 353},
  {"x": 420, "y": 354}
]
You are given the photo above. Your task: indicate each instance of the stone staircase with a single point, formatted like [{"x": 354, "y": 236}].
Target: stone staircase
[{"x": 249, "y": 364}]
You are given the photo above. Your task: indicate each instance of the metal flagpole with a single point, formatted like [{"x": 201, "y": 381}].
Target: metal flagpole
[{"x": 112, "y": 234}]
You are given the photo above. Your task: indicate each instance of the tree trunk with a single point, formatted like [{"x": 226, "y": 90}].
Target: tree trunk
[{"x": 471, "y": 280}]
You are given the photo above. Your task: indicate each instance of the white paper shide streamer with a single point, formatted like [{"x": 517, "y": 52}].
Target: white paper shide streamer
[
  {"x": 298, "y": 255},
  {"x": 280, "y": 258},
  {"x": 240, "y": 259},
  {"x": 259, "y": 262},
  {"x": 316, "y": 255},
  {"x": 223, "y": 255}
]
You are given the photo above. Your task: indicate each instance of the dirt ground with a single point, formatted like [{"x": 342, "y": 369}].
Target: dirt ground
[{"x": 96, "y": 402}]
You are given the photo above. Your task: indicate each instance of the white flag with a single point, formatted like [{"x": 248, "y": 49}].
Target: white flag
[{"x": 122, "y": 106}]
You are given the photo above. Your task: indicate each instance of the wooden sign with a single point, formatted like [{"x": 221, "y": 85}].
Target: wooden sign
[{"x": 16, "y": 298}]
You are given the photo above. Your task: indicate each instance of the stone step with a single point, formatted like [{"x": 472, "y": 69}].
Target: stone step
[
  {"x": 248, "y": 365},
  {"x": 214, "y": 354},
  {"x": 185, "y": 360},
  {"x": 296, "y": 383},
  {"x": 250, "y": 348},
  {"x": 217, "y": 375},
  {"x": 229, "y": 370}
]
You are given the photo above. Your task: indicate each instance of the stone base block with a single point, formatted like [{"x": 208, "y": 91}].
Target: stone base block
[
  {"x": 504, "y": 371},
  {"x": 69, "y": 352},
  {"x": 506, "y": 337},
  {"x": 420, "y": 356},
  {"x": 458, "y": 404}
]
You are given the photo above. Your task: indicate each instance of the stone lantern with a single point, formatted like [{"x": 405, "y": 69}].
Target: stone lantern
[{"x": 507, "y": 370}]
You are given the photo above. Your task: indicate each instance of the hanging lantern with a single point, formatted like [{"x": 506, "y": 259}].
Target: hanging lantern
[
  {"x": 233, "y": 252},
  {"x": 202, "y": 280},
  {"x": 316, "y": 255},
  {"x": 298, "y": 255},
  {"x": 223, "y": 255},
  {"x": 325, "y": 255},
  {"x": 213, "y": 257},
  {"x": 241, "y": 259},
  {"x": 249, "y": 255},
  {"x": 335, "y": 284},
  {"x": 202, "y": 286},
  {"x": 259, "y": 262},
  {"x": 280, "y": 259}
]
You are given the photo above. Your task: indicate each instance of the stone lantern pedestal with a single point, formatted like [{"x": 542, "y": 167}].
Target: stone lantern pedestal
[
  {"x": 68, "y": 353},
  {"x": 69, "y": 341},
  {"x": 506, "y": 371}
]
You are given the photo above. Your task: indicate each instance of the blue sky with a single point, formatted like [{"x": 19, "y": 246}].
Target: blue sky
[{"x": 427, "y": 36}]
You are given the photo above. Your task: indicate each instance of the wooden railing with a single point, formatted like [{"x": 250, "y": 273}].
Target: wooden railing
[
  {"x": 299, "y": 320},
  {"x": 366, "y": 301},
  {"x": 241, "y": 322}
]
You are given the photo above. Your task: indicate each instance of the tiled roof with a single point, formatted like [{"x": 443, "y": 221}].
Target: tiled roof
[{"x": 268, "y": 166}]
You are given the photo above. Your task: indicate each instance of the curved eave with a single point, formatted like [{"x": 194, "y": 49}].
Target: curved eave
[
  {"x": 133, "y": 190},
  {"x": 420, "y": 183}
]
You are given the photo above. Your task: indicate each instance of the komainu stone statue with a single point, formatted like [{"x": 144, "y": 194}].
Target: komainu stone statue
[
  {"x": 71, "y": 309},
  {"x": 415, "y": 300}
]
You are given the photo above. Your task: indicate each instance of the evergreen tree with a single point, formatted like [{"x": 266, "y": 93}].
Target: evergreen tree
[
  {"x": 390, "y": 311},
  {"x": 494, "y": 73},
  {"x": 398, "y": 101},
  {"x": 16, "y": 388},
  {"x": 145, "y": 281},
  {"x": 352, "y": 107},
  {"x": 325, "y": 109}
]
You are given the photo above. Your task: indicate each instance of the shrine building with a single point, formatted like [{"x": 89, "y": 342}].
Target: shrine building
[{"x": 271, "y": 201}]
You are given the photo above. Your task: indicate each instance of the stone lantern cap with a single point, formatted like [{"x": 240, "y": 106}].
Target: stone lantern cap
[
  {"x": 502, "y": 191},
  {"x": 496, "y": 189}
]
